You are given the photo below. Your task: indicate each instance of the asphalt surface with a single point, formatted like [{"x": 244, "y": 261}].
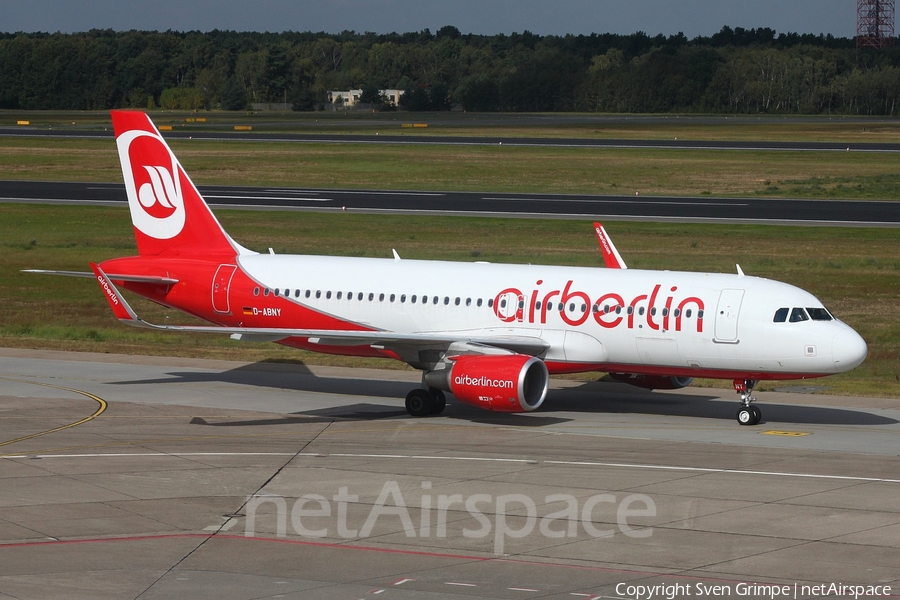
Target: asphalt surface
[
  {"x": 760, "y": 145},
  {"x": 137, "y": 477},
  {"x": 656, "y": 208}
]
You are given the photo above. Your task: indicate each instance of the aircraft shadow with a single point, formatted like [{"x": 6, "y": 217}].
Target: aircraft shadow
[
  {"x": 591, "y": 397},
  {"x": 302, "y": 380},
  {"x": 603, "y": 397}
]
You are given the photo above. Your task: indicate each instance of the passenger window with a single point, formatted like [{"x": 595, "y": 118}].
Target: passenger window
[
  {"x": 798, "y": 315},
  {"x": 780, "y": 315},
  {"x": 402, "y": 298},
  {"x": 490, "y": 302},
  {"x": 436, "y": 299},
  {"x": 296, "y": 293},
  {"x": 819, "y": 314},
  {"x": 276, "y": 291},
  {"x": 468, "y": 302},
  {"x": 266, "y": 292},
  {"x": 371, "y": 296},
  {"x": 256, "y": 291},
  {"x": 359, "y": 296},
  {"x": 456, "y": 302},
  {"x": 392, "y": 297},
  {"x": 479, "y": 302},
  {"x": 339, "y": 295},
  {"x": 446, "y": 300},
  {"x": 318, "y": 293},
  {"x": 381, "y": 297},
  {"x": 328, "y": 295},
  {"x": 308, "y": 292}
]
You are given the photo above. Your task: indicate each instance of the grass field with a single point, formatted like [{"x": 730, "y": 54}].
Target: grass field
[
  {"x": 850, "y": 175},
  {"x": 856, "y": 272}
]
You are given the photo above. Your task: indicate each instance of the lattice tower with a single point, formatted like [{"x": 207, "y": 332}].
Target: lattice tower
[{"x": 874, "y": 23}]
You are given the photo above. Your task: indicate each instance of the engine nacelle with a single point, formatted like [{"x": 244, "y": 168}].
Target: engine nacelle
[
  {"x": 653, "y": 382},
  {"x": 505, "y": 383}
]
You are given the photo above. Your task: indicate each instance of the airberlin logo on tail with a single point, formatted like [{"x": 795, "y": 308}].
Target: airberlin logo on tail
[
  {"x": 158, "y": 195},
  {"x": 153, "y": 184}
]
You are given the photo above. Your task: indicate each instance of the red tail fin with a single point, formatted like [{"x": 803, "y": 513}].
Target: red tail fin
[{"x": 169, "y": 215}]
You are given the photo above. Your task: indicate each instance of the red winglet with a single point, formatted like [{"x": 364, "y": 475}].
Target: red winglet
[
  {"x": 611, "y": 256},
  {"x": 120, "y": 308}
]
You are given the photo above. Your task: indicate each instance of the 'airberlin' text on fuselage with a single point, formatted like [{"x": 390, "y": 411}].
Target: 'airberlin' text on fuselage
[{"x": 609, "y": 310}]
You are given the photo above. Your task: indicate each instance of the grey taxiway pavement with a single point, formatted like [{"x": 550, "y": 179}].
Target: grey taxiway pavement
[{"x": 138, "y": 477}]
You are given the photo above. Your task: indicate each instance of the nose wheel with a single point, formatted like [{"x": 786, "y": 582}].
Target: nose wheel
[{"x": 747, "y": 414}]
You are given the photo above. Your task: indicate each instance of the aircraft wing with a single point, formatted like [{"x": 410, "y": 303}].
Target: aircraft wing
[
  {"x": 611, "y": 256},
  {"x": 326, "y": 337}
]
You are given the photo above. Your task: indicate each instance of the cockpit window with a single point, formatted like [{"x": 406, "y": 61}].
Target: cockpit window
[
  {"x": 780, "y": 315},
  {"x": 798, "y": 314},
  {"x": 819, "y": 314}
]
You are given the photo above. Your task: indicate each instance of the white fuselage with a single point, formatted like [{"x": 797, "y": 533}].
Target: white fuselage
[{"x": 701, "y": 324}]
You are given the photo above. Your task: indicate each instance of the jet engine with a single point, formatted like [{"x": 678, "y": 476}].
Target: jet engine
[
  {"x": 653, "y": 382},
  {"x": 504, "y": 383}
]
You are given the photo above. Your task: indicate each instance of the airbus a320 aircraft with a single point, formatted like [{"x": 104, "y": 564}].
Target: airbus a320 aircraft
[{"x": 491, "y": 334}]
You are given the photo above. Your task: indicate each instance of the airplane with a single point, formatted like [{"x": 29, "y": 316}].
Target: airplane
[{"x": 490, "y": 334}]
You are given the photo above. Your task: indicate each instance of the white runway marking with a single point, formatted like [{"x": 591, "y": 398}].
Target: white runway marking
[
  {"x": 626, "y": 201},
  {"x": 526, "y": 461},
  {"x": 303, "y": 198}
]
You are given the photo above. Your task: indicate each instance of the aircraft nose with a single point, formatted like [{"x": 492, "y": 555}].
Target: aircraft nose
[{"x": 849, "y": 350}]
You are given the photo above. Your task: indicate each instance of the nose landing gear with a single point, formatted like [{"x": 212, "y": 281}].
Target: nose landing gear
[{"x": 747, "y": 414}]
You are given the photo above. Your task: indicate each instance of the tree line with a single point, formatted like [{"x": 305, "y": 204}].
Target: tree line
[{"x": 734, "y": 71}]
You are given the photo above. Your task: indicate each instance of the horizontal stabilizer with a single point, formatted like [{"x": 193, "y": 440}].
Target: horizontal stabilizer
[{"x": 113, "y": 276}]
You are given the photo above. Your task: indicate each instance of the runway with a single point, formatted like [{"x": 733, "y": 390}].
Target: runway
[
  {"x": 455, "y": 140},
  {"x": 654, "y": 208},
  {"x": 233, "y": 480}
]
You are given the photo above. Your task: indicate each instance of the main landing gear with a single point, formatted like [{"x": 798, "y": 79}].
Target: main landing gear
[
  {"x": 425, "y": 402},
  {"x": 747, "y": 414}
]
